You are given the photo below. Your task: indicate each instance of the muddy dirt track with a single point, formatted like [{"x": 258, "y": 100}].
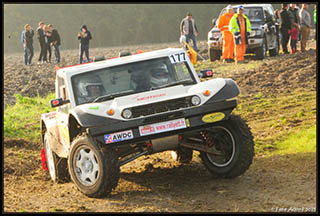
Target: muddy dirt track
[{"x": 156, "y": 183}]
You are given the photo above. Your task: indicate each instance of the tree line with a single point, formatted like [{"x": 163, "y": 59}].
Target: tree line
[{"x": 110, "y": 24}]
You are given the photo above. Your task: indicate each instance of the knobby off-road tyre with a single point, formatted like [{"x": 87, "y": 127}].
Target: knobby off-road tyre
[
  {"x": 234, "y": 140},
  {"x": 261, "y": 52},
  {"x": 214, "y": 54},
  {"x": 275, "y": 51},
  {"x": 94, "y": 170},
  {"x": 182, "y": 155},
  {"x": 57, "y": 167}
]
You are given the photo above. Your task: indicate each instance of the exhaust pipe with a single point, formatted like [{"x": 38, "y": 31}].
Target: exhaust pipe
[{"x": 165, "y": 143}]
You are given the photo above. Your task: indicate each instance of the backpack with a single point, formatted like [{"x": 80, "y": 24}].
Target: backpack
[{"x": 22, "y": 37}]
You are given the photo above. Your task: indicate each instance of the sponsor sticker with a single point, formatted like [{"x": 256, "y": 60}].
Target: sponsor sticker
[
  {"x": 94, "y": 107},
  {"x": 213, "y": 117},
  {"x": 118, "y": 137},
  {"x": 162, "y": 127}
]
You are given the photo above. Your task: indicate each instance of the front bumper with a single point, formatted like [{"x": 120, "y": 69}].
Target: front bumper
[
  {"x": 253, "y": 43},
  {"x": 193, "y": 117}
]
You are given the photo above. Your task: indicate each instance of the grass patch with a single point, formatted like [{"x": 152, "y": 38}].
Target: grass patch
[
  {"x": 22, "y": 120},
  {"x": 302, "y": 141}
]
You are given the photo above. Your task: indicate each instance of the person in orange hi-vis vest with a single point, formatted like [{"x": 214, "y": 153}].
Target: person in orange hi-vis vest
[
  {"x": 227, "y": 37},
  {"x": 240, "y": 27}
]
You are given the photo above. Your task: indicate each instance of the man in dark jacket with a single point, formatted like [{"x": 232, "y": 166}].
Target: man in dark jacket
[
  {"x": 41, "y": 39},
  {"x": 285, "y": 25},
  {"x": 55, "y": 42},
  {"x": 84, "y": 36},
  {"x": 28, "y": 44},
  {"x": 294, "y": 15}
]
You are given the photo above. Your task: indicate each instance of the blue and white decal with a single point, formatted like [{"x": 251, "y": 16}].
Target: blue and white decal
[{"x": 118, "y": 137}]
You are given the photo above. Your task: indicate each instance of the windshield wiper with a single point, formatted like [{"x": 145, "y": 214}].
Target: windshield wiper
[
  {"x": 184, "y": 82},
  {"x": 113, "y": 95}
]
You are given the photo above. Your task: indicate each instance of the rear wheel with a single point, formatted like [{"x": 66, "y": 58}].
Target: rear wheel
[
  {"x": 58, "y": 168},
  {"x": 214, "y": 54},
  {"x": 233, "y": 147},
  {"x": 94, "y": 170}
]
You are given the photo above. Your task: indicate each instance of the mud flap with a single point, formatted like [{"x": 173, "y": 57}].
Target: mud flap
[{"x": 44, "y": 160}]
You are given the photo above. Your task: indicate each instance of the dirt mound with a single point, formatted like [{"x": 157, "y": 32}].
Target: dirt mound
[{"x": 282, "y": 74}]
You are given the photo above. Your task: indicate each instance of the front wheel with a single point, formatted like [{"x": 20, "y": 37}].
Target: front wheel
[
  {"x": 232, "y": 145},
  {"x": 261, "y": 52},
  {"x": 214, "y": 54},
  {"x": 94, "y": 170},
  {"x": 275, "y": 51}
]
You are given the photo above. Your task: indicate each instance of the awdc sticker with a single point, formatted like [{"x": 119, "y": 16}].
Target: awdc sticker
[{"x": 213, "y": 117}]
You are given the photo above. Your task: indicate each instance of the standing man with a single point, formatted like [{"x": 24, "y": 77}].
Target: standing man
[
  {"x": 41, "y": 39},
  {"x": 305, "y": 19},
  {"x": 227, "y": 37},
  {"x": 294, "y": 15},
  {"x": 189, "y": 29},
  {"x": 84, "y": 36},
  {"x": 48, "y": 45},
  {"x": 55, "y": 42},
  {"x": 28, "y": 44},
  {"x": 240, "y": 27},
  {"x": 285, "y": 26}
]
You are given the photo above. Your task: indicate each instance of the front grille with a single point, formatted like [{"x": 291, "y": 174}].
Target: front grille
[
  {"x": 165, "y": 106},
  {"x": 164, "y": 117}
]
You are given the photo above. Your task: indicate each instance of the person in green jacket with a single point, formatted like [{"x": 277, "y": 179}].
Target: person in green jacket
[
  {"x": 315, "y": 20},
  {"x": 240, "y": 27}
]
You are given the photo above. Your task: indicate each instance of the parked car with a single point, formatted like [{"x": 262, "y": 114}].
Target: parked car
[
  {"x": 110, "y": 112},
  {"x": 264, "y": 36}
]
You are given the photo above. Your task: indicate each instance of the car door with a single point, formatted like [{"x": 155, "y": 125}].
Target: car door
[{"x": 62, "y": 118}]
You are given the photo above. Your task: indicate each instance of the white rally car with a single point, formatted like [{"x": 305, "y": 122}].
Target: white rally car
[{"x": 113, "y": 111}]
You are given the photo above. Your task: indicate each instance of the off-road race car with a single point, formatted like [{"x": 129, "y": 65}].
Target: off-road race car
[
  {"x": 110, "y": 112},
  {"x": 264, "y": 35}
]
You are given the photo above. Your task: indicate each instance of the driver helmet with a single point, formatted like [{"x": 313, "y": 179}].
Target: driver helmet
[
  {"x": 159, "y": 75},
  {"x": 90, "y": 87}
]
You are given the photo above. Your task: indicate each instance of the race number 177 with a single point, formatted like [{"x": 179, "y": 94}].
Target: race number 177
[{"x": 176, "y": 58}]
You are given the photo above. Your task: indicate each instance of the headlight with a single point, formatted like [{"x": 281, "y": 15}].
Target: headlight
[
  {"x": 252, "y": 33},
  {"x": 215, "y": 35},
  {"x": 195, "y": 100},
  {"x": 127, "y": 114}
]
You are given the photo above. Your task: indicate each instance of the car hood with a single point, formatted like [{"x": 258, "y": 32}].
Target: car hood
[{"x": 254, "y": 25}]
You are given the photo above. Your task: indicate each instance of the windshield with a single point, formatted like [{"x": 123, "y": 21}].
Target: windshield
[
  {"x": 255, "y": 14},
  {"x": 107, "y": 83}
]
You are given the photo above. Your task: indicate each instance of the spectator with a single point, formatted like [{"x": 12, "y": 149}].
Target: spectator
[
  {"x": 84, "y": 36},
  {"x": 240, "y": 33},
  {"x": 305, "y": 19},
  {"x": 277, "y": 14},
  {"x": 41, "y": 39},
  {"x": 189, "y": 29},
  {"x": 28, "y": 44},
  {"x": 294, "y": 15},
  {"x": 315, "y": 20},
  {"x": 227, "y": 37},
  {"x": 285, "y": 26},
  {"x": 48, "y": 45},
  {"x": 294, "y": 37},
  {"x": 55, "y": 42}
]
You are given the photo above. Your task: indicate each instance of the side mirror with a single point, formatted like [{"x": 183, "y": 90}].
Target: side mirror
[
  {"x": 205, "y": 73},
  {"x": 58, "y": 102}
]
